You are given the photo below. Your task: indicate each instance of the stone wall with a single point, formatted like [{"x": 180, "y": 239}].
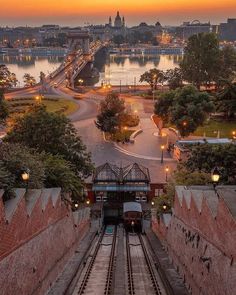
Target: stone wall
[
  {"x": 200, "y": 238},
  {"x": 38, "y": 234}
]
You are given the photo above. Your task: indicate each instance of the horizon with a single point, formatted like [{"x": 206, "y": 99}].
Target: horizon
[{"x": 168, "y": 12}]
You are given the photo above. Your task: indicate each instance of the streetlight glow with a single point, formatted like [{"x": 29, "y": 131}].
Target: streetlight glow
[{"x": 215, "y": 175}]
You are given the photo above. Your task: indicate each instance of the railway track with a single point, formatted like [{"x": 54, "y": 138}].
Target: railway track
[
  {"x": 97, "y": 276},
  {"x": 141, "y": 274}
]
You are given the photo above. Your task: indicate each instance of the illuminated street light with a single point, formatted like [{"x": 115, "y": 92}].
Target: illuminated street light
[
  {"x": 167, "y": 170},
  {"x": 164, "y": 206},
  {"x": 162, "y": 153},
  {"x": 215, "y": 177},
  {"x": 152, "y": 203},
  {"x": 88, "y": 202},
  {"x": 234, "y": 134},
  {"x": 25, "y": 175},
  {"x": 76, "y": 205}
]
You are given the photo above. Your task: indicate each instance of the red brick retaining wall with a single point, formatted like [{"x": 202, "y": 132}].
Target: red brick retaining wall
[
  {"x": 36, "y": 240},
  {"x": 201, "y": 243}
]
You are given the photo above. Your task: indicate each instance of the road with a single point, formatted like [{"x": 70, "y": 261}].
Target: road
[{"x": 146, "y": 149}]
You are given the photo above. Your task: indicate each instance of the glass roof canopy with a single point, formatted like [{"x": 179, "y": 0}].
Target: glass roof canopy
[{"x": 112, "y": 178}]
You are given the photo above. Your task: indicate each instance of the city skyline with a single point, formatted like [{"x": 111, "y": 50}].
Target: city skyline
[{"x": 167, "y": 12}]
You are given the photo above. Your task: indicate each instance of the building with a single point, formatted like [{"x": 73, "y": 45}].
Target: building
[
  {"x": 119, "y": 27},
  {"x": 188, "y": 29},
  {"x": 227, "y": 31},
  {"x": 120, "y": 184}
]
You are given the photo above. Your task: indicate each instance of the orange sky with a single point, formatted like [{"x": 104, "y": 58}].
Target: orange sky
[{"x": 96, "y": 11}]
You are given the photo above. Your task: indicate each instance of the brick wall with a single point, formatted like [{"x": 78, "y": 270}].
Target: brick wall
[
  {"x": 37, "y": 237},
  {"x": 201, "y": 243}
]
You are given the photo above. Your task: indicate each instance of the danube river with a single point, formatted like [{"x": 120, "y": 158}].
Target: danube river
[
  {"x": 127, "y": 69},
  {"x": 30, "y": 64},
  {"x": 114, "y": 69}
]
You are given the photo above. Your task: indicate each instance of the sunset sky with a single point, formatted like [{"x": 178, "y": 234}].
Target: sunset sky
[{"x": 78, "y": 12}]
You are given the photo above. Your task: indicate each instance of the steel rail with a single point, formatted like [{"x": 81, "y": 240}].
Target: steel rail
[
  {"x": 150, "y": 267},
  {"x": 109, "y": 277},
  {"x": 129, "y": 268}
]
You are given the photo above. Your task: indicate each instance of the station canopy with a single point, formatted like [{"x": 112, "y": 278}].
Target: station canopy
[{"x": 109, "y": 177}]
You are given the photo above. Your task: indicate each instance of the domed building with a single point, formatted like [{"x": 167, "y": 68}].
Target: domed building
[
  {"x": 118, "y": 21},
  {"x": 119, "y": 25}
]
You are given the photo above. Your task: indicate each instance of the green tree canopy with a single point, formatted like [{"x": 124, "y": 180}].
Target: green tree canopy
[
  {"x": 111, "y": 112},
  {"x": 4, "y": 110},
  {"x": 227, "y": 62},
  {"x": 226, "y": 98},
  {"x": 153, "y": 77},
  {"x": 174, "y": 78},
  {"x": 181, "y": 176},
  {"x": 201, "y": 62},
  {"x": 51, "y": 133},
  {"x": 60, "y": 173},
  {"x": 205, "y": 157},
  {"x": 29, "y": 80},
  {"x": 190, "y": 109},
  {"x": 163, "y": 105},
  {"x": 14, "y": 159},
  {"x": 186, "y": 108},
  {"x": 7, "y": 79}
]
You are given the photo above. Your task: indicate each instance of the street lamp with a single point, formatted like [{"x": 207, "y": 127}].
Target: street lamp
[
  {"x": 162, "y": 153},
  {"x": 164, "y": 207},
  {"x": 215, "y": 177},
  {"x": 88, "y": 202},
  {"x": 25, "y": 175},
  {"x": 167, "y": 170},
  {"x": 234, "y": 134}
]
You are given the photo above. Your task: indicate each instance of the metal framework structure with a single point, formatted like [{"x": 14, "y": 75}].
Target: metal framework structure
[{"x": 109, "y": 177}]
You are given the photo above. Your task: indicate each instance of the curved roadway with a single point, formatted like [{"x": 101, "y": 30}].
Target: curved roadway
[{"x": 146, "y": 149}]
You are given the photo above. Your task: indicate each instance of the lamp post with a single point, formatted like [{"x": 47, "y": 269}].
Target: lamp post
[
  {"x": 25, "y": 175},
  {"x": 215, "y": 177},
  {"x": 164, "y": 207},
  {"x": 162, "y": 153},
  {"x": 167, "y": 170},
  {"x": 234, "y": 134}
]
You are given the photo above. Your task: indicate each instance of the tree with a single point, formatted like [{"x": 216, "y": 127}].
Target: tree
[
  {"x": 60, "y": 173},
  {"x": 174, "y": 78},
  {"x": 153, "y": 77},
  {"x": 205, "y": 157},
  {"x": 186, "y": 108},
  {"x": 7, "y": 79},
  {"x": 4, "y": 111},
  {"x": 52, "y": 133},
  {"x": 181, "y": 176},
  {"x": 201, "y": 62},
  {"x": 227, "y": 63},
  {"x": 163, "y": 105},
  {"x": 226, "y": 98},
  {"x": 14, "y": 159},
  {"x": 111, "y": 111},
  {"x": 6, "y": 180},
  {"x": 190, "y": 109},
  {"x": 29, "y": 80}
]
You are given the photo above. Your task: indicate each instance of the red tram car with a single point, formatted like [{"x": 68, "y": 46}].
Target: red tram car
[{"x": 132, "y": 215}]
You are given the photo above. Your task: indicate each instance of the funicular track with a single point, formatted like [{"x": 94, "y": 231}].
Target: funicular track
[
  {"x": 133, "y": 289},
  {"x": 90, "y": 271}
]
